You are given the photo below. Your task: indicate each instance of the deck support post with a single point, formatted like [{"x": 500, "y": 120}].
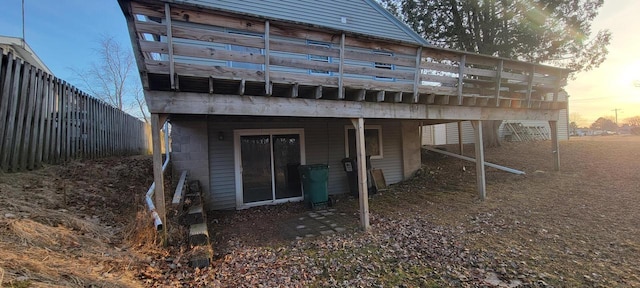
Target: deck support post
[
  {"x": 158, "y": 177},
  {"x": 555, "y": 145},
  {"x": 358, "y": 124},
  {"x": 480, "y": 175},
  {"x": 460, "y": 142}
]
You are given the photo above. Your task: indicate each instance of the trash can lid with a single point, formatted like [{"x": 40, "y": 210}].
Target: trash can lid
[{"x": 314, "y": 166}]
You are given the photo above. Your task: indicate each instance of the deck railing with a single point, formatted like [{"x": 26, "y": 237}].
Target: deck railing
[{"x": 204, "y": 51}]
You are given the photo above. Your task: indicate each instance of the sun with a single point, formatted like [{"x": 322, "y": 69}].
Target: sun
[{"x": 630, "y": 75}]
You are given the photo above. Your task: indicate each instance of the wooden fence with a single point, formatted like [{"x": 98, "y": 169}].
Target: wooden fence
[{"x": 43, "y": 119}]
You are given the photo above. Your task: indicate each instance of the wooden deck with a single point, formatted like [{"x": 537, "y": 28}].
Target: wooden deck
[{"x": 189, "y": 49}]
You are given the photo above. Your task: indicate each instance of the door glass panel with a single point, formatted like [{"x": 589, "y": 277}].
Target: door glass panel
[
  {"x": 286, "y": 159},
  {"x": 256, "y": 168}
]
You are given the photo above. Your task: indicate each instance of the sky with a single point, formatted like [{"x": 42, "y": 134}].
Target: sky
[{"x": 66, "y": 33}]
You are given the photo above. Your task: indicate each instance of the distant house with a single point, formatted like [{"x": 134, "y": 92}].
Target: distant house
[
  {"x": 625, "y": 129},
  {"x": 21, "y": 49},
  {"x": 253, "y": 88}
]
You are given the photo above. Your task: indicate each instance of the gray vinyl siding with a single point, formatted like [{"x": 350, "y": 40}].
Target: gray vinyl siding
[
  {"x": 324, "y": 144},
  {"x": 563, "y": 125},
  {"x": 452, "y": 133},
  {"x": 391, "y": 164},
  {"x": 427, "y": 135},
  {"x": 221, "y": 168},
  {"x": 363, "y": 16}
]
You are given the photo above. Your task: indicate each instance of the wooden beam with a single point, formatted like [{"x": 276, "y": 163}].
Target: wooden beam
[
  {"x": 498, "y": 80},
  {"x": 431, "y": 98},
  {"x": 380, "y": 96},
  {"x": 172, "y": 68},
  {"x": 341, "y": 68},
  {"x": 461, "y": 68},
  {"x": 267, "y": 81},
  {"x": 469, "y": 101},
  {"x": 416, "y": 77},
  {"x": 317, "y": 92},
  {"x": 363, "y": 193},
  {"x": 294, "y": 90},
  {"x": 532, "y": 72},
  {"x": 479, "y": 149},
  {"x": 442, "y": 100},
  {"x": 241, "y": 87},
  {"x": 361, "y": 95},
  {"x": 158, "y": 176},
  {"x": 171, "y": 102},
  {"x": 460, "y": 142},
  {"x": 396, "y": 96},
  {"x": 555, "y": 145},
  {"x": 134, "y": 38},
  {"x": 210, "y": 84}
]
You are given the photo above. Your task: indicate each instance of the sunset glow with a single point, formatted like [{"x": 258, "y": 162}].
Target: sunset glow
[{"x": 611, "y": 86}]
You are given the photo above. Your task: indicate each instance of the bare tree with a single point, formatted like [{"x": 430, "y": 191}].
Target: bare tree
[
  {"x": 112, "y": 78},
  {"x": 578, "y": 119},
  {"x": 141, "y": 104},
  {"x": 633, "y": 121}
]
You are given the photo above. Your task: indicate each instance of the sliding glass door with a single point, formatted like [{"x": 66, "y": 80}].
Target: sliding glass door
[{"x": 267, "y": 165}]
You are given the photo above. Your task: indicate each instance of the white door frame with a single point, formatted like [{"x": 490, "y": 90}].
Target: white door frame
[{"x": 238, "y": 163}]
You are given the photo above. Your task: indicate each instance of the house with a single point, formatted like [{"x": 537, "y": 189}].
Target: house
[
  {"x": 21, "y": 49},
  {"x": 253, "y": 88}
]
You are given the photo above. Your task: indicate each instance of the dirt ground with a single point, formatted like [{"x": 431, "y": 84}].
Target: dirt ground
[
  {"x": 76, "y": 225},
  {"x": 80, "y": 225}
]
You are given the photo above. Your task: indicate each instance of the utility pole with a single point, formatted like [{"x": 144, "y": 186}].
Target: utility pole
[
  {"x": 616, "y": 110},
  {"x": 24, "y": 42}
]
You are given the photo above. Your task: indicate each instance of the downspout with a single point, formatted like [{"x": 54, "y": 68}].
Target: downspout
[{"x": 157, "y": 222}]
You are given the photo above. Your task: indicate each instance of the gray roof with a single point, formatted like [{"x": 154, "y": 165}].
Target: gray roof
[
  {"x": 21, "y": 49},
  {"x": 361, "y": 16}
]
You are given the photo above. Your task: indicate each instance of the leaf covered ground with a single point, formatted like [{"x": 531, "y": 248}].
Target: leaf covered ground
[{"x": 84, "y": 224}]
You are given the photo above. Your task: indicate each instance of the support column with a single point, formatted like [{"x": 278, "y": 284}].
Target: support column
[
  {"x": 555, "y": 145},
  {"x": 460, "y": 142},
  {"x": 480, "y": 175},
  {"x": 411, "y": 160},
  {"x": 158, "y": 177},
  {"x": 358, "y": 124}
]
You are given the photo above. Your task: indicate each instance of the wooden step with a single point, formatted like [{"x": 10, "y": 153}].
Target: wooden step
[
  {"x": 194, "y": 187},
  {"x": 200, "y": 256},
  {"x": 195, "y": 214},
  {"x": 192, "y": 199},
  {"x": 198, "y": 234}
]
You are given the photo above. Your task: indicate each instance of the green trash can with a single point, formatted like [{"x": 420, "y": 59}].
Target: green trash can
[{"x": 314, "y": 184}]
